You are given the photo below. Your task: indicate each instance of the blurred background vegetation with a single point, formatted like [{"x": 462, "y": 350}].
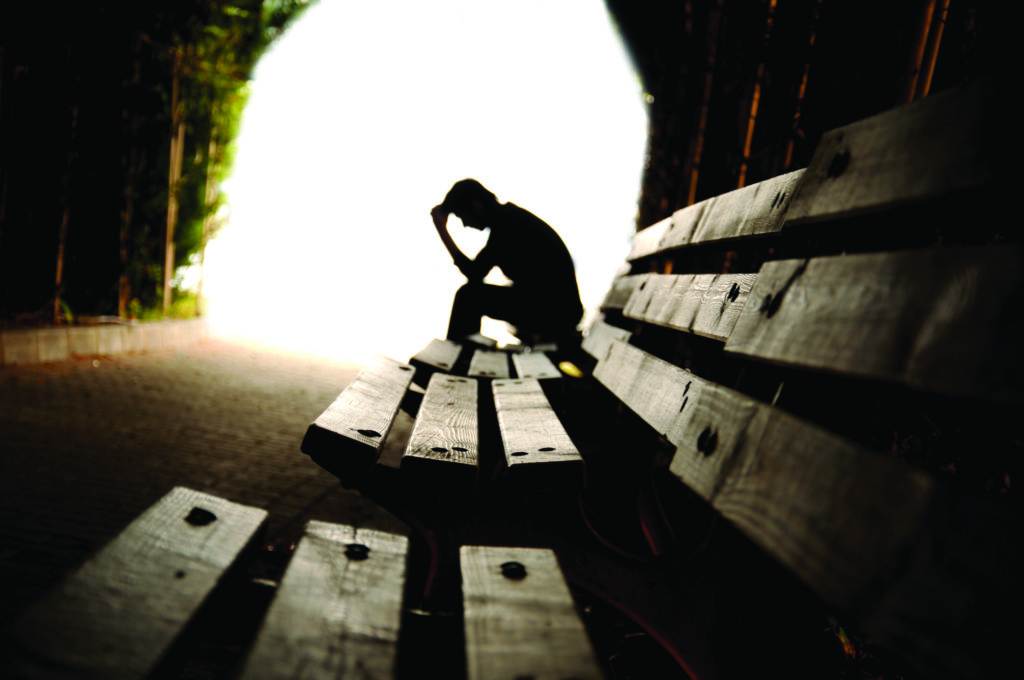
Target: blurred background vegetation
[
  {"x": 116, "y": 128},
  {"x": 117, "y": 118}
]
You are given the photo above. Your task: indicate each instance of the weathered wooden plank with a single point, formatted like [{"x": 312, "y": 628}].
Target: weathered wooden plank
[
  {"x": 440, "y": 355},
  {"x": 338, "y": 609},
  {"x": 531, "y": 433},
  {"x": 722, "y": 304},
  {"x": 600, "y": 337},
  {"x": 347, "y": 436},
  {"x": 648, "y": 241},
  {"x": 705, "y": 304},
  {"x": 668, "y": 300},
  {"x": 751, "y": 211},
  {"x": 117, "y": 614},
  {"x": 868, "y": 533},
  {"x": 837, "y": 515},
  {"x": 620, "y": 291},
  {"x": 654, "y": 389},
  {"x": 932, "y": 148},
  {"x": 534, "y": 365},
  {"x": 446, "y": 431},
  {"x": 945, "y": 319},
  {"x": 519, "y": 616},
  {"x": 488, "y": 364}
]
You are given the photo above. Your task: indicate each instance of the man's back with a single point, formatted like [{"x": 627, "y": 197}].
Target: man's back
[{"x": 531, "y": 254}]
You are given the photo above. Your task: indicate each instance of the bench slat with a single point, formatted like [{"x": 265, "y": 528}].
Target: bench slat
[
  {"x": 704, "y": 304},
  {"x": 530, "y": 428},
  {"x": 944, "y": 319},
  {"x": 534, "y": 365},
  {"x": 524, "y": 626},
  {"x": 652, "y": 388},
  {"x": 837, "y": 515},
  {"x": 600, "y": 337},
  {"x": 349, "y": 434},
  {"x": 647, "y": 241},
  {"x": 488, "y": 364},
  {"x": 336, "y": 613},
  {"x": 929, "y": 149},
  {"x": 446, "y": 429},
  {"x": 438, "y": 355},
  {"x": 754, "y": 210},
  {"x": 868, "y": 533},
  {"x": 620, "y": 291},
  {"x": 116, "y": 615}
]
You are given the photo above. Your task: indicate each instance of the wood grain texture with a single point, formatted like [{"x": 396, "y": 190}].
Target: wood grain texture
[
  {"x": 722, "y": 304},
  {"x": 946, "y": 320},
  {"x": 488, "y": 364},
  {"x": 116, "y": 615},
  {"x": 620, "y": 291},
  {"x": 334, "y": 616},
  {"x": 600, "y": 336},
  {"x": 931, "y": 148},
  {"x": 439, "y": 355},
  {"x": 655, "y": 390},
  {"x": 869, "y": 534},
  {"x": 840, "y": 517},
  {"x": 446, "y": 429},
  {"x": 534, "y": 365},
  {"x": 648, "y": 241},
  {"x": 349, "y": 434},
  {"x": 531, "y": 433},
  {"x": 754, "y": 210},
  {"x": 704, "y": 304},
  {"x": 525, "y": 627}
]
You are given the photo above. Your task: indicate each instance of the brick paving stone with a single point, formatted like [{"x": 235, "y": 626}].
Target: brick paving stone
[{"x": 86, "y": 445}]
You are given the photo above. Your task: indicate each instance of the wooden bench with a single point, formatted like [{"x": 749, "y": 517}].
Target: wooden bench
[
  {"x": 337, "y": 612},
  {"x": 793, "y": 453},
  {"x": 823, "y": 365}
]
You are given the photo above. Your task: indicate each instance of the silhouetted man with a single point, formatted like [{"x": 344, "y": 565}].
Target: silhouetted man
[{"x": 543, "y": 302}]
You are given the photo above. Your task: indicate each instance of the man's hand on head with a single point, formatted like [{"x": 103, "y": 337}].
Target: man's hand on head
[{"x": 440, "y": 216}]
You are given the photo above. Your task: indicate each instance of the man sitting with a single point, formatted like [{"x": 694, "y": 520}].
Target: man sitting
[{"x": 543, "y": 302}]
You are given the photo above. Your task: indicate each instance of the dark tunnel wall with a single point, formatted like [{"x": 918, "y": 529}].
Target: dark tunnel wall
[{"x": 815, "y": 65}]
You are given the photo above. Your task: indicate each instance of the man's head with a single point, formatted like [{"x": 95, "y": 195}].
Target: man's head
[{"x": 471, "y": 203}]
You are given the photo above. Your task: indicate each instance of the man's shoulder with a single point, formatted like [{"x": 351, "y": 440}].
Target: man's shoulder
[{"x": 514, "y": 214}]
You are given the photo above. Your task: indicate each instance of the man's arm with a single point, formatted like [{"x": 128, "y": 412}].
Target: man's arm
[{"x": 470, "y": 269}]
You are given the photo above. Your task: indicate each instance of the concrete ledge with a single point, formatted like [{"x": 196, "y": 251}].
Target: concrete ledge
[
  {"x": 53, "y": 344},
  {"x": 20, "y": 347},
  {"x": 84, "y": 341},
  {"x": 40, "y": 345}
]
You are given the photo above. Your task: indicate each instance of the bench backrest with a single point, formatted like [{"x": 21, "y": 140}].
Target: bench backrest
[{"x": 790, "y": 337}]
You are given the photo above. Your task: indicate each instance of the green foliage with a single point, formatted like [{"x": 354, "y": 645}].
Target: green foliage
[
  {"x": 220, "y": 55},
  {"x": 219, "y": 44},
  {"x": 185, "y": 305}
]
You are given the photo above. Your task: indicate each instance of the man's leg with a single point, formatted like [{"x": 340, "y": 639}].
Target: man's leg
[{"x": 475, "y": 300}]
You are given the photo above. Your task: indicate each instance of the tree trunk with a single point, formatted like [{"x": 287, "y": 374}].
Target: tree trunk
[
  {"x": 130, "y": 181},
  {"x": 755, "y": 96},
  {"x": 177, "y": 149},
  {"x": 62, "y": 234},
  {"x": 917, "y": 57},
  {"x": 210, "y": 197},
  {"x": 697, "y": 144}
]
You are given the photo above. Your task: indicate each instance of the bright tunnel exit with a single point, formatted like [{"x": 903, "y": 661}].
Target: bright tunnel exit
[{"x": 362, "y": 117}]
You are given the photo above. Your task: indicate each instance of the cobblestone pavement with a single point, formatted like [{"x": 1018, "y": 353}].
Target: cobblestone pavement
[{"x": 85, "y": 446}]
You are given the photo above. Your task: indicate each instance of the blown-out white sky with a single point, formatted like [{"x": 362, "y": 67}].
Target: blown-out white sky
[{"x": 363, "y": 115}]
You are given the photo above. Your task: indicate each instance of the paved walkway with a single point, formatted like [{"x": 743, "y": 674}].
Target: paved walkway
[{"x": 87, "y": 445}]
